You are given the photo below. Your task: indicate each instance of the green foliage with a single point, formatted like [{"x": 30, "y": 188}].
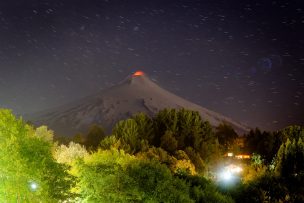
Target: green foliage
[
  {"x": 250, "y": 193},
  {"x": 290, "y": 158},
  {"x": 202, "y": 190},
  {"x": 188, "y": 129},
  {"x": 171, "y": 130},
  {"x": 196, "y": 159},
  {"x": 266, "y": 188},
  {"x": 102, "y": 177},
  {"x": 256, "y": 161},
  {"x": 113, "y": 176},
  {"x": 110, "y": 142},
  {"x": 273, "y": 188},
  {"x": 69, "y": 154},
  {"x": 25, "y": 157},
  {"x": 145, "y": 160},
  {"x": 263, "y": 143},
  {"x": 157, "y": 154},
  {"x": 78, "y": 138},
  {"x": 285, "y": 182},
  {"x": 90, "y": 140},
  {"x": 210, "y": 150},
  {"x": 145, "y": 128},
  {"x": 166, "y": 119},
  {"x": 157, "y": 184},
  {"x": 168, "y": 142},
  {"x": 226, "y": 136},
  {"x": 94, "y": 137},
  {"x": 267, "y": 144},
  {"x": 292, "y": 132},
  {"x": 127, "y": 132},
  {"x": 179, "y": 162}
]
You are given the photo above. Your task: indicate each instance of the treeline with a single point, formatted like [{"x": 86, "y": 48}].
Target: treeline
[
  {"x": 278, "y": 161},
  {"x": 185, "y": 143},
  {"x": 171, "y": 136},
  {"x": 171, "y": 157},
  {"x": 123, "y": 167}
]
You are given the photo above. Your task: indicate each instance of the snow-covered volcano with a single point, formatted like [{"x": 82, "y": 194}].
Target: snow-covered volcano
[{"x": 137, "y": 93}]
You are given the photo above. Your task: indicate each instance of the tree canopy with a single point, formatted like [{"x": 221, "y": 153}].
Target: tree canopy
[
  {"x": 27, "y": 168},
  {"x": 161, "y": 159}
]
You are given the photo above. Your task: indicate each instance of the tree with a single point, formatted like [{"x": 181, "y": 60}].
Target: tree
[
  {"x": 203, "y": 190},
  {"x": 292, "y": 132},
  {"x": 289, "y": 164},
  {"x": 196, "y": 159},
  {"x": 159, "y": 154},
  {"x": 226, "y": 136},
  {"x": 263, "y": 143},
  {"x": 101, "y": 177},
  {"x": 94, "y": 137},
  {"x": 209, "y": 147},
  {"x": 27, "y": 167},
  {"x": 145, "y": 127},
  {"x": 257, "y": 164},
  {"x": 156, "y": 183},
  {"x": 166, "y": 119},
  {"x": 114, "y": 176},
  {"x": 69, "y": 154},
  {"x": 168, "y": 142},
  {"x": 127, "y": 132},
  {"x": 78, "y": 138},
  {"x": 290, "y": 158},
  {"x": 190, "y": 129}
]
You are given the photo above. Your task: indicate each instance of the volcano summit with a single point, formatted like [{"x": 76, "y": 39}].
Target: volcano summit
[{"x": 136, "y": 93}]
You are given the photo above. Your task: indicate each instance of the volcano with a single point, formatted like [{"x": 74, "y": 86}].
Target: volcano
[{"x": 137, "y": 93}]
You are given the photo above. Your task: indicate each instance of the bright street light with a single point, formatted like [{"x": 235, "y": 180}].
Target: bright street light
[
  {"x": 33, "y": 186},
  {"x": 226, "y": 175},
  {"x": 229, "y": 174}
]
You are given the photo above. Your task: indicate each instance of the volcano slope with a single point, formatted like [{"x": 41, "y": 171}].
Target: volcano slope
[{"x": 137, "y": 93}]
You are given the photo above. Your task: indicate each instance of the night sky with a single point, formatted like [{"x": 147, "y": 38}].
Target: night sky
[{"x": 244, "y": 59}]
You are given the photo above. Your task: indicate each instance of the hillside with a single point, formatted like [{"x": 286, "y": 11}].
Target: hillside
[{"x": 136, "y": 93}]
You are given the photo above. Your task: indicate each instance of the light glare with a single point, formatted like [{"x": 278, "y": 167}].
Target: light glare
[
  {"x": 33, "y": 186},
  {"x": 230, "y": 154}
]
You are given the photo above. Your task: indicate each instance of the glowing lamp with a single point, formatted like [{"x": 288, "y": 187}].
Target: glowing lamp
[
  {"x": 138, "y": 73},
  {"x": 33, "y": 186},
  {"x": 226, "y": 175}
]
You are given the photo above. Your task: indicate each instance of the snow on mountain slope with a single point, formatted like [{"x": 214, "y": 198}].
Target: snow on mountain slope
[{"x": 137, "y": 93}]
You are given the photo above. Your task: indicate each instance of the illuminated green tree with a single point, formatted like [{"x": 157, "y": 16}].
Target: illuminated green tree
[
  {"x": 114, "y": 176},
  {"x": 126, "y": 131},
  {"x": 69, "y": 154},
  {"x": 28, "y": 170},
  {"x": 190, "y": 132},
  {"x": 190, "y": 129},
  {"x": 256, "y": 161},
  {"x": 102, "y": 177},
  {"x": 145, "y": 127},
  {"x": 155, "y": 183}
]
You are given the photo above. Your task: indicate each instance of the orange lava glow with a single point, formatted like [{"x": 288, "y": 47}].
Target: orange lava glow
[{"x": 138, "y": 73}]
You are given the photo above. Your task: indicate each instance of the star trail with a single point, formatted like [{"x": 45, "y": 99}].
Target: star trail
[{"x": 243, "y": 59}]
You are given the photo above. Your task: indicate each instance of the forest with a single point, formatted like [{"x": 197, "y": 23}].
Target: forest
[{"x": 175, "y": 156}]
